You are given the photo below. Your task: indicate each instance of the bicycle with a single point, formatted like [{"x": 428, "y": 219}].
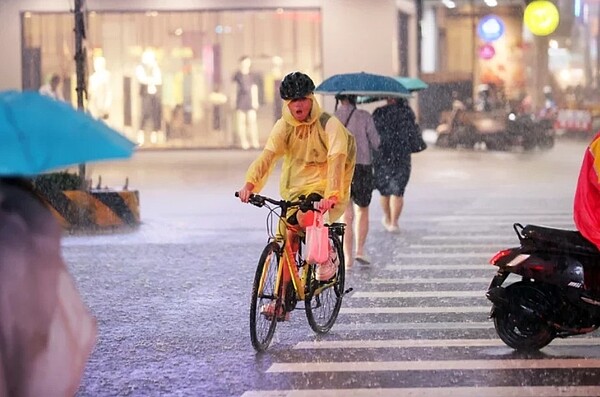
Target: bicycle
[{"x": 322, "y": 299}]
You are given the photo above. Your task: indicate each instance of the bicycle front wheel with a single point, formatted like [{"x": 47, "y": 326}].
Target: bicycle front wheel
[
  {"x": 324, "y": 298},
  {"x": 264, "y": 301}
]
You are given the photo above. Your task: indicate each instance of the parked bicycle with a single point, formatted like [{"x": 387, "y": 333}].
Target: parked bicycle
[{"x": 284, "y": 253}]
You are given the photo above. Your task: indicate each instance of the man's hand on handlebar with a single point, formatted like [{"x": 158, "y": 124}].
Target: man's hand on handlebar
[
  {"x": 326, "y": 204},
  {"x": 245, "y": 192}
]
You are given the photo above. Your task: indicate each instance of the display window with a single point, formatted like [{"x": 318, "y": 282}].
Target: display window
[{"x": 178, "y": 79}]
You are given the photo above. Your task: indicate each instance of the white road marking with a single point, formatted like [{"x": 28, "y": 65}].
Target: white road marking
[
  {"x": 487, "y": 237},
  {"x": 439, "y": 280},
  {"x": 434, "y": 365},
  {"x": 483, "y": 266},
  {"x": 416, "y": 310},
  {"x": 419, "y": 294},
  {"x": 491, "y": 246},
  {"x": 412, "y": 326},
  {"x": 477, "y": 391},
  {"x": 444, "y": 255},
  {"x": 406, "y": 343},
  {"x": 486, "y": 217}
]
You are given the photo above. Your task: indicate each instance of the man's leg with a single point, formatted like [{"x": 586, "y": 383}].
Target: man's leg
[
  {"x": 240, "y": 117},
  {"x": 385, "y": 206},
  {"x": 253, "y": 128},
  {"x": 396, "y": 204},
  {"x": 349, "y": 235},
  {"x": 362, "y": 229}
]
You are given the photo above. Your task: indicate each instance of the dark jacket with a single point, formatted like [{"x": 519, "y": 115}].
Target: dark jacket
[{"x": 394, "y": 122}]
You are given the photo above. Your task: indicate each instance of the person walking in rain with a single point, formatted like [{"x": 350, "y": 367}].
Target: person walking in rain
[
  {"x": 360, "y": 123},
  {"x": 46, "y": 332},
  {"x": 392, "y": 164},
  {"x": 318, "y": 158}
]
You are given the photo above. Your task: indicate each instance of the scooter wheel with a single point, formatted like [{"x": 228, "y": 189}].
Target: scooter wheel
[{"x": 519, "y": 324}]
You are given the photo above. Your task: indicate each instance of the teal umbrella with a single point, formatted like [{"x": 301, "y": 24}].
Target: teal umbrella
[
  {"x": 365, "y": 84},
  {"x": 39, "y": 133},
  {"x": 411, "y": 84}
]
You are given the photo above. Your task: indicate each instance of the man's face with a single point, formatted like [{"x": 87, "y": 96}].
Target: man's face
[{"x": 300, "y": 108}]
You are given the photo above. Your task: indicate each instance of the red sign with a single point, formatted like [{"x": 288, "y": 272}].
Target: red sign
[{"x": 573, "y": 120}]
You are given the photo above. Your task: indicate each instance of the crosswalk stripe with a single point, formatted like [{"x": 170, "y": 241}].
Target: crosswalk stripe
[
  {"x": 495, "y": 238},
  {"x": 465, "y": 246},
  {"x": 444, "y": 255},
  {"x": 415, "y": 310},
  {"x": 486, "y": 217},
  {"x": 476, "y": 391},
  {"x": 441, "y": 267},
  {"x": 418, "y": 294},
  {"x": 440, "y": 280},
  {"x": 412, "y": 326},
  {"x": 506, "y": 224},
  {"x": 420, "y": 343},
  {"x": 433, "y": 365}
]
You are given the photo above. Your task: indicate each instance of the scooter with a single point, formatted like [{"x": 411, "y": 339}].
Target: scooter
[{"x": 556, "y": 293}]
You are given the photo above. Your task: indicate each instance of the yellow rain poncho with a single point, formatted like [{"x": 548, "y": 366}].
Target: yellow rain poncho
[{"x": 315, "y": 160}]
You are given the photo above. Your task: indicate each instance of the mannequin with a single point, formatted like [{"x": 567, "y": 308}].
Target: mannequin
[
  {"x": 277, "y": 75},
  {"x": 99, "y": 90},
  {"x": 246, "y": 104},
  {"x": 149, "y": 77}
]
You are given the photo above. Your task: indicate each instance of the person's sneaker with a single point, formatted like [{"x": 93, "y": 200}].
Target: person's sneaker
[
  {"x": 328, "y": 269},
  {"x": 268, "y": 311}
]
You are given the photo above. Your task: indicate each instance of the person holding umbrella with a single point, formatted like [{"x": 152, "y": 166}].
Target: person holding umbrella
[
  {"x": 46, "y": 331},
  {"x": 318, "y": 158},
  {"x": 360, "y": 123},
  {"x": 392, "y": 164}
]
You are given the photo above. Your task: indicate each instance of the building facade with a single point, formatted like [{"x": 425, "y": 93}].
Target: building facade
[{"x": 201, "y": 73}]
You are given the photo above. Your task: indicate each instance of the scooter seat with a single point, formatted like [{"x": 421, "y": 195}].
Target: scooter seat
[{"x": 565, "y": 240}]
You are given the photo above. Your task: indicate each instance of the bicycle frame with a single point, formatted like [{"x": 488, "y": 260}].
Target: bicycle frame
[{"x": 289, "y": 265}]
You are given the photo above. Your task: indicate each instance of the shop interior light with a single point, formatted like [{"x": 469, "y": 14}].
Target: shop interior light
[
  {"x": 449, "y": 3},
  {"x": 491, "y": 3}
]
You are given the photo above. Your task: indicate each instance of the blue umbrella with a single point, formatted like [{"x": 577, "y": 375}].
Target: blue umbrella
[
  {"x": 38, "y": 134},
  {"x": 365, "y": 84}
]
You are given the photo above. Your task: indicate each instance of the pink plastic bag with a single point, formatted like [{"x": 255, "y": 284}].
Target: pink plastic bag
[{"x": 317, "y": 241}]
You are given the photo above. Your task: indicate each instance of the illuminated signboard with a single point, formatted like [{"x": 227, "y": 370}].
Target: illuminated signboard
[
  {"x": 490, "y": 28},
  {"x": 541, "y": 17}
]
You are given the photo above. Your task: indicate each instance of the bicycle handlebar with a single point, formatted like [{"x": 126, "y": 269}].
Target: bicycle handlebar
[{"x": 303, "y": 203}]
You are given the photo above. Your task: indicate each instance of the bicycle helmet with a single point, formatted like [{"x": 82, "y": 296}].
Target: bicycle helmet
[{"x": 296, "y": 85}]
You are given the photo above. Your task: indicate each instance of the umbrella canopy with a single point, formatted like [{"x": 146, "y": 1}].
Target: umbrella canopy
[
  {"x": 38, "y": 134},
  {"x": 365, "y": 84},
  {"x": 412, "y": 84}
]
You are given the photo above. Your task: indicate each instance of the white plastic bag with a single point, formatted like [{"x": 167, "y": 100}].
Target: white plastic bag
[{"x": 317, "y": 241}]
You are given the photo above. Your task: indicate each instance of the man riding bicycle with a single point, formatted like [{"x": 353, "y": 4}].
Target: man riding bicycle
[{"x": 318, "y": 158}]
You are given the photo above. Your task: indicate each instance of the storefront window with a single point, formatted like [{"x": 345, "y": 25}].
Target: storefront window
[{"x": 178, "y": 79}]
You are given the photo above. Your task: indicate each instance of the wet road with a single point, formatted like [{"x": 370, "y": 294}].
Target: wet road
[{"x": 172, "y": 297}]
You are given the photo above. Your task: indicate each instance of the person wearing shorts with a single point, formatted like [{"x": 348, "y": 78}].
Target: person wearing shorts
[
  {"x": 392, "y": 163},
  {"x": 360, "y": 124}
]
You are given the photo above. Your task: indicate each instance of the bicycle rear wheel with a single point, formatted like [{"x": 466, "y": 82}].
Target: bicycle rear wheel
[
  {"x": 324, "y": 298},
  {"x": 262, "y": 325}
]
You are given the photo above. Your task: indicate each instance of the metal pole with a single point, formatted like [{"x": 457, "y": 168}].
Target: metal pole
[{"x": 80, "y": 66}]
